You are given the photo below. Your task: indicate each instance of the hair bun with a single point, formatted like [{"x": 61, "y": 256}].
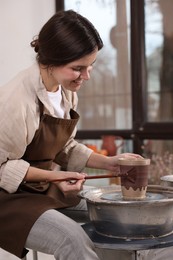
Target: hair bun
[{"x": 35, "y": 45}]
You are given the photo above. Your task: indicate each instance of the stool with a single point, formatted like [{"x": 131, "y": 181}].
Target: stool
[{"x": 34, "y": 254}]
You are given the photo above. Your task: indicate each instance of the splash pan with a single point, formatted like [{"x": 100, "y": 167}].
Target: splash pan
[{"x": 114, "y": 217}]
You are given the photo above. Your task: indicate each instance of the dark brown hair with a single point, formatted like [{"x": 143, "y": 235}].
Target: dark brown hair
[{"x": 67, "y": 36}]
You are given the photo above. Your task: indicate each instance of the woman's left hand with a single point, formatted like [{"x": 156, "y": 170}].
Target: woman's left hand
[
  {"x": 112, "y": 161},
  {"x": 108, "y": 163}
]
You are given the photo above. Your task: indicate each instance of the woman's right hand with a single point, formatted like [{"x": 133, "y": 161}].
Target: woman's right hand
[
  {"x": 67, "y": 187},
  {"x": 70, "y": 188}
]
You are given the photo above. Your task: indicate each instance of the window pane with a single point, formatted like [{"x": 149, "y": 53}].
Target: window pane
[
  {"x": 159, "y": 59},
  {"x": 161, "y": 154},
  {"x": 105, "y": 100}
]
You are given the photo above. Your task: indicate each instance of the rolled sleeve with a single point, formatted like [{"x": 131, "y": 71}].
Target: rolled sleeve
[
  {"x": 12, "y": 174},
  {"x": 78, "y": 158}
]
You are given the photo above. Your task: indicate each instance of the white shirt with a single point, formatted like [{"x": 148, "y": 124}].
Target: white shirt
[{"x": 55, "y": 99}]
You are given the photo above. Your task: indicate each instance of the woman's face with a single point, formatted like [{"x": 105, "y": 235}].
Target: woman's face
[{"x": 72, "y": 75}]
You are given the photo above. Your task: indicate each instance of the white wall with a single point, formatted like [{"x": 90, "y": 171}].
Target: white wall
[{"x": 20, "y": 21}]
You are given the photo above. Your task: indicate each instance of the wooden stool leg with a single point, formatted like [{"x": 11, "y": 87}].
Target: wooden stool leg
[{"x": 35, "y": 255}]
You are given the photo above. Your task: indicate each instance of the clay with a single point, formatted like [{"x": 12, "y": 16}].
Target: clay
[{"x": 134, "y": 179}]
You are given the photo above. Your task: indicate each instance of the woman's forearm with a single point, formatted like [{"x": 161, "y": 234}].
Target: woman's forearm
[
  {"x": 97, "y": 161},
  {"x": 38, "y": 175}
]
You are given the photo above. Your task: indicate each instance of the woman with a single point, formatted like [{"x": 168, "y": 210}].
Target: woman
[{"x": 38, "y": 131}]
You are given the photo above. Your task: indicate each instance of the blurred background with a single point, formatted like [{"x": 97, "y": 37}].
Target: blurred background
[{"x": 127, "y": 106}]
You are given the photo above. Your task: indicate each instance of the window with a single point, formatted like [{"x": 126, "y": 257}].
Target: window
[{"x": 159, "y": 60}]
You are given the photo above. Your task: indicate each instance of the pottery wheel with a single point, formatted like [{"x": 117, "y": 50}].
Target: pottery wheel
[{"x": 128, "y": 244}]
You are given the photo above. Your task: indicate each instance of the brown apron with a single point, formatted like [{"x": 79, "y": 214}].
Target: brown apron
[{"x": 20, "y": 210}]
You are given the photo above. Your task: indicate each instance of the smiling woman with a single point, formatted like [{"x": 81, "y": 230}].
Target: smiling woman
[
  {"x": 41, "y": 134},
  {"x": 70, "y": 76},
  {"x": 37, "y": 143},
  {"x": 66, "y": 49}
]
